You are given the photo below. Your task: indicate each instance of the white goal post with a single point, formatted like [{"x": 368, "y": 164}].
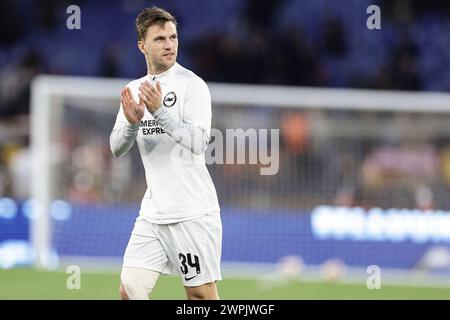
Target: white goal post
[{"x": 50, "y": 92}]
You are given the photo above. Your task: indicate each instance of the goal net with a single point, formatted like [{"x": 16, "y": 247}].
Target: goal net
[{"x": 353, "y": 177}]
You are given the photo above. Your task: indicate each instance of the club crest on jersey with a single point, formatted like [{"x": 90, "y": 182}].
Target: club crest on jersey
[{"x": 170, "y": 99}]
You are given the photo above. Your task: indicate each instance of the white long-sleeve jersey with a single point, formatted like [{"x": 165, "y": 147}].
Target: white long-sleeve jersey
[{"x": 171, "y": 143}]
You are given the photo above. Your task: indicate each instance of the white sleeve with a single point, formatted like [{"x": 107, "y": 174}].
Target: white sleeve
[
  {"x": 197, "y": 109},
  {"x": 193, "y": 132},
  {"x": 123, "y": 135}
]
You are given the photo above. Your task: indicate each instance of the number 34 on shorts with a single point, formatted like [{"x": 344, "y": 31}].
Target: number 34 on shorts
[{"x": 189, "y": 261}]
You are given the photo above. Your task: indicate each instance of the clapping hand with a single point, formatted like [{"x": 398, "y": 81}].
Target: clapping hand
[
  {"x": 133, "y": 111},
  {"x": 151, "y": 95}
]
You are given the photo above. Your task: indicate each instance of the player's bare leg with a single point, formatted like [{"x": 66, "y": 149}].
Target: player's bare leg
[
  {"x": 123, "y": 293},
  {"x": 207, "y": 291}
]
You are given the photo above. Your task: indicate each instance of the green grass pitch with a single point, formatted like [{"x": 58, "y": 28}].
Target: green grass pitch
[{"x": 30, "y": 284}]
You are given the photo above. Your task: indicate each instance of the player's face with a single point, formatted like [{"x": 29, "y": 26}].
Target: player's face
[{"x": 160, "y": 46}]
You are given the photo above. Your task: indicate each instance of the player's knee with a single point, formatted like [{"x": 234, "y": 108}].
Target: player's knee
[
  {"x": 204, "y": 292},
  {"x": 123, "y": 293},
  {"x": 138, "y": 283},
  {"x": 197, "y": 295}
]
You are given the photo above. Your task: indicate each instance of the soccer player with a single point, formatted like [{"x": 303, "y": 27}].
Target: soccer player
[{"x": 168, "y": 113}]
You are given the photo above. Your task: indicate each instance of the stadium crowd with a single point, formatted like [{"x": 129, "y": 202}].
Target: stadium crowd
[{"x": 300, "y": 43}]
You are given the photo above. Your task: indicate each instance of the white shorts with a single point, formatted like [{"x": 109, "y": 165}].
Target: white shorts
[{"x": 191, "y": 249}]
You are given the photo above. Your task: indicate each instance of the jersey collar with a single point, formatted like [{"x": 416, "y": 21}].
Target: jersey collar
[{"x": 162, "y": 74}]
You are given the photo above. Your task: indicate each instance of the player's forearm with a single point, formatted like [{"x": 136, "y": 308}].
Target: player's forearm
[
  {"x": 122, "y": 138},
  {"x": 189, "y": 136}
]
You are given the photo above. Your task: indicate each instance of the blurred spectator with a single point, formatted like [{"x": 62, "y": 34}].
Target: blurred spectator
[
  {"x": 334, "y": 41},
  {"x": 260, "y": 14},
  {"x": 403, "y": 66},
  {"x": 295, "y": 132},
  {"x": 12, "y": 28},
  {"x": 20, "y": 171},
  {"x": 111, "y": 61},
  {"x": 405, "y": 170},
  {"x": 388, "y": 164},
  {"x": 293, "y": 60},
  {"x": 87, "y": 165},
  {"x": 47, "y": 13},
  {"x": 15, "y": 82}
]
